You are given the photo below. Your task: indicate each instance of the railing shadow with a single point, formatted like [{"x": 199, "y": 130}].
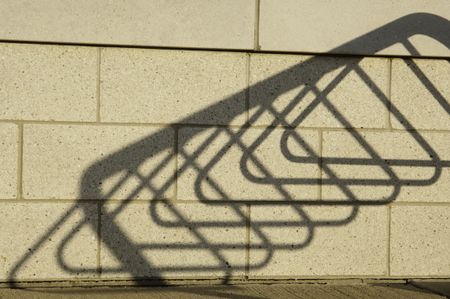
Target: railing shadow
[{"x": 135, "y": 258}]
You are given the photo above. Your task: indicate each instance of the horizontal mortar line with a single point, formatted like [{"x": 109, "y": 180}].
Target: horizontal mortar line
[
  {"x": 176, "y": 280},
  {"x": 220, "y": 203},
  {"x": 430, "y": 276},
  {"x": 324, "y": 277},
  {"x": 118, "y": 200},
  {"x": 416, "y": 203},
  {"x": 236, "y": 278},
  {"x": 187, "y": 125},
  {"x": 190, "y": 279},
  {"x": 387, "y": 130},
  {"x": 365, "y": 277},
  {"x": 362, "y": 278},
  {"x": 211, "y": 279},
  {"x": 134, "y": 124},
  {"x": 103, "y": 282},
  {"x": 212, "y": 49},
  {"x": 112, "y": 279},
  {"x": 90, "y": 123},
  {"x": 286, "y": 278}
]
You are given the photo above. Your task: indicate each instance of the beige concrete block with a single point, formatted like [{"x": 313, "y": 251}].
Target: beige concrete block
[
  {"x": 42, "y": 82},
  {"x": 318, "y": 241},
  {"x": 289, "y": 99},
  {"x": 178, "y": 240},
  {"x": 42, "y": 241},
  {"x": 160, "y": 86},
  {"x": 247, "y": 164},
  {"x": 69, "y": 161},
  {"x": 195, "y": 23},
  {"x": 8, "y": 160},
  {"x": 420, "y": 239},
  {"x": 386, "y": 166},
  {"x": 321, "y": 26},
  {"x": 421, "y": 93}
]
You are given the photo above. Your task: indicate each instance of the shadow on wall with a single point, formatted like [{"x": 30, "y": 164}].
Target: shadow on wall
[{"x": 197, "y": 160}]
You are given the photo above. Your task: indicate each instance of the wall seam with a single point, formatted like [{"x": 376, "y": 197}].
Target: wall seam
[
  {"x": 320, "y": 162},
  {"x": 389, "y": 240},
  {"x": 19, "y": 179},
  {"x": 194, "y": 201},
  {"x": 247, "y": 248},
  {"x": 389, "y": 94},
  {"x": 247, "y": 93},
  {"x": 175, "y": 152},
  {"x": 99, "y": 59},
  {"x": 212, "y": 49},
  {"x": 257, "y": 47},
  {"x": 167, "y": 125},
  {"x": 99, "y": 238}
]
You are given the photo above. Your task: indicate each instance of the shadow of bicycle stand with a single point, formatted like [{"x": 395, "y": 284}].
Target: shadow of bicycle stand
[{"x": 133, "y": 257}]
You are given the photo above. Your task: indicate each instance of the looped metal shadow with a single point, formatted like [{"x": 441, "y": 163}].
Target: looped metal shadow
[{"x": 131, "y": 257}]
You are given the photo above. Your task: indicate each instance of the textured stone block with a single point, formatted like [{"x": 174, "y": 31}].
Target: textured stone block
[
  {"x": 175, "y": 240},
  {"x": 160, "y": 86},
  {"x": 69, "y": 161},
  {"x": 247, "y": 164},
  {"x": 295, "y": 240},
  {"x": 42, "y": 82},
  {"x": 42, "y": 241},
  {"x": 8, "y": 160},
  {"x": 386, "y": 166},
  {"x": 420, "y": 239},
  {"x": 195, "y": 23},
  {"x": 320, "y": 26},
  {"x": 296, "y": 97},
  {"x": 421, "y": 92}
]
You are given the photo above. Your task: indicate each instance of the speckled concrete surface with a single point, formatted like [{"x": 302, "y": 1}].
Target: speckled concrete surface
[
  {"x": 286, "y": 201},
  {"x": 352, "y": 97},
  {"x": 194, "y": 23},
  {"x": 74, "y": 240},
  {"x": 48, "y": 82},
  {"x": 419, "y": 89},
  {"x": 419, "y": 242},
  {"x": 74, "y": 148},
  {"x": 158, "y": 86}
]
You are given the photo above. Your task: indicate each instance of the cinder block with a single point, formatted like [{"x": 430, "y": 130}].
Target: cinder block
[
  {"x": 336, "y": 27},
  {"x": 177, "y": 240},
  {"x": 194, "y": 23},
  {"x": 420, "y": 239},
  {"x": 93, "y": 162},
  {"x": 43, "y": 82},
  {"x": 247, "y": 164},
  {"x": 386, "y": 166},
  {"x": 292, "y": 90},
  {"x": 42, "y": 241},
  {"x": 8, "y": 160},
  {"x": 293, "y": 240},
  {"x": 161, "y": 86},
  {"x": 421, "y": 93}
]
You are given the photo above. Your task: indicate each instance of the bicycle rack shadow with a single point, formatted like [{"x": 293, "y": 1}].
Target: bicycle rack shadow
[{"x": 127, "y": 161}]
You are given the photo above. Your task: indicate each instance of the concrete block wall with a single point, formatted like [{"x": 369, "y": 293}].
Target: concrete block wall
[
  {"x": 130, "y": 163},
  {"x": 414, "y": 27}
]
